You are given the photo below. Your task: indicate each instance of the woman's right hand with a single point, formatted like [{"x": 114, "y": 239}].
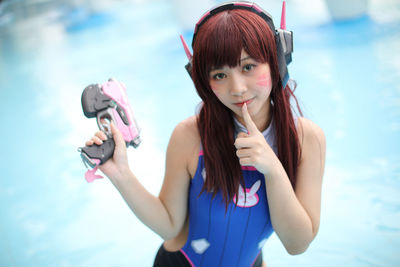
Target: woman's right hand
[{"x": 116, "y": 166}]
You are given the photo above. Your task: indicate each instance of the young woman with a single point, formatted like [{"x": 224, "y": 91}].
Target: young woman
[{"x": 245, "y": 165}]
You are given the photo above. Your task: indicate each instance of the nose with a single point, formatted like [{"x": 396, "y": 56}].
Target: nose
[{"x": 238, "y": 84}]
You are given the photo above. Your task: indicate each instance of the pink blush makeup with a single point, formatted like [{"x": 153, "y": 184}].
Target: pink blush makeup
[
  {"x": 264, "y": 83},
  {"x": 264, "y": 80}
]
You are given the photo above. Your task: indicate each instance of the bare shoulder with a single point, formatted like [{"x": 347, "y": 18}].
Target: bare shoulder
[
  {"x": 189, "y": 125},
  {"x": 186, "y": 131},
  {"x": 310, "y": 133},
  {"x": 185, "y": 141},
  {"x": 312, "y": 142}
]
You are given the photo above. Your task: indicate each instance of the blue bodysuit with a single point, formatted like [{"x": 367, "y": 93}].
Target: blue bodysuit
[{"x": 234, "y": 238}]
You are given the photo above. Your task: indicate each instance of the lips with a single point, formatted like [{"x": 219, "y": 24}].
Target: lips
[{"x": 240, "y": 104}]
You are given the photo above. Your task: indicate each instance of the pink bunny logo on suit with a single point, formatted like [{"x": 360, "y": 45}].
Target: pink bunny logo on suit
[{"x": 251, "y": 196}]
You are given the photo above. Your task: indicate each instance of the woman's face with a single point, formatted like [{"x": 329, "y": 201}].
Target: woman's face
[{"x": 250, "y": 82}]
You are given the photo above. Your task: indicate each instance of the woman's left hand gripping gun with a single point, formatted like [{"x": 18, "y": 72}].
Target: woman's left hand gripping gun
[{"x": 108, "y": 102}]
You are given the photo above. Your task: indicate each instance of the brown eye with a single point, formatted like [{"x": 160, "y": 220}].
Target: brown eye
[
  {"x": 248, "y": 67},
  {"x": 219, "y": 76}
]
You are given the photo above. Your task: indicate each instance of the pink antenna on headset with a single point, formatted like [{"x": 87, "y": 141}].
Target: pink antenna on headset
[
  {"x": 283, "y": 16},
  {"x": 186, "y": 47}
]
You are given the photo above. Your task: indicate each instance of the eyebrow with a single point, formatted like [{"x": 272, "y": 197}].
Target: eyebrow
[
  {"x": 220, "y": 67},
  {"x": 243, "y": 59}
]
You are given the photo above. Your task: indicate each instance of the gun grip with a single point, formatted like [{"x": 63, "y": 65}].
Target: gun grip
[{"x": 101, "y": 152}]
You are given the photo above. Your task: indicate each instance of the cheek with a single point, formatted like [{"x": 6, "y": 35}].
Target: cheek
[
  {"x": 265, "y": 91},
  {"x": 215, "y": 90},
  {"x": 264, "y": 83},
  {"x": 264, "y": 80}
]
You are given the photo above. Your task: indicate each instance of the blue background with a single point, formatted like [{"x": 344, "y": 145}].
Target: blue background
[{"x": 348, "y": 83}]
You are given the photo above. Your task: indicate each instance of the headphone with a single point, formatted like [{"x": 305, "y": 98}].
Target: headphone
[{"x": 283, "y": 38}]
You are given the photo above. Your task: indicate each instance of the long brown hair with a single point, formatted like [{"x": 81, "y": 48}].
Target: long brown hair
[{"x": 219, "y": 42}]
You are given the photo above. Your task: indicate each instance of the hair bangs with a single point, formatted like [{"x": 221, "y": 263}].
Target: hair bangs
[
  {"x": 222, "y": 38},
  {"x": 256, "y": 36},
  {"x": 221, "y": 43}
]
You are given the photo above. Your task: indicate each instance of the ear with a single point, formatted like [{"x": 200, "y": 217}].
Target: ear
[
  {"x": 189, "y": 55},
  {"x": 186, "y": 48},
  {"x": 241, "y": 190},
  {"x": 284, "y": 45},
  {"x": 255, "y": 188},
  {"x": 283, "y": 16}
]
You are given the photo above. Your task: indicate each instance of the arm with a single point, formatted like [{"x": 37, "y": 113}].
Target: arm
[
  {"x": 165, "y": 214},
  {"x": 295, "y": 214}
]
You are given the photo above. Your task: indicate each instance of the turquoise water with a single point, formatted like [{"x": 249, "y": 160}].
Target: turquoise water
[{"x": 347, "y": 74}]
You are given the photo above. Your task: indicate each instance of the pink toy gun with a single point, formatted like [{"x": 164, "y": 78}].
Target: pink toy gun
[{"x": 107, "y": 102}]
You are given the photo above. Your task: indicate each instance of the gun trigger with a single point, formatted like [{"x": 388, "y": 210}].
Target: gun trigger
[
  {"x": 122, "y": 114},
  {"x": 105, "y": 123}
]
